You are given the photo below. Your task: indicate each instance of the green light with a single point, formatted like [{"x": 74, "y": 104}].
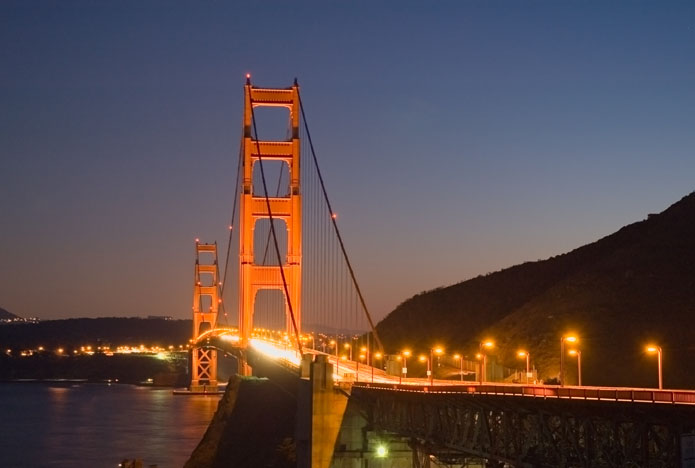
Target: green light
[{"x": 381, "y": 451}]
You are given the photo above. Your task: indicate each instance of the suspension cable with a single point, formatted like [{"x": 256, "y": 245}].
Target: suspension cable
[
  {"x": 231, "y": 229},
  {"x": 272, "y": 224},
  {"x": 335, "y": 224}
]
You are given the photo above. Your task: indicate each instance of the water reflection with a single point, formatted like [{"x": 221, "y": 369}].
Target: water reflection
[{"x": 98, "y": 425}]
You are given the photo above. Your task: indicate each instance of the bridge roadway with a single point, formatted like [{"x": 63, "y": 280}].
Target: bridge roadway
[
  {"x": 453, "y": 422},
  {"x": 360, "y": 374}
]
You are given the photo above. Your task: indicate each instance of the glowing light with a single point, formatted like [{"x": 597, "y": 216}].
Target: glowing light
[
  {"x": 381, "y": 451},
  {"x": 274, "y": 352},
  {"x": 60, "y": 350},
  {"x": 571, "y": 339},
  {"x": 457, "y": 356},
  {"x": 363, "y": 349},
  {"x": 478, "y": 356},
  {"x": 488, "y": 344},
  {"x": 334, "y": 215},
  {"x": 378, "y": 355},
  {"x": 522, "y": 353},
  {"x": 248, "y": 76},
  {"x": 406, "y": 353},
  {"x": 573, "y": 352},
  {"x": 422, "y": 358},
  {"x": 197, "y": 240},
  {"x": 652, "y": 349},
  {"x": 438, "y": 350},
  {"x": 40, "y": 348}
]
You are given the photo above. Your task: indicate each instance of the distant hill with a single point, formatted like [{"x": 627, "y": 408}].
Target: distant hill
[
  {"x": 617, "y": 294},
  {"x": 86, "y": 331},
  {"x": 7, "y": 315}
]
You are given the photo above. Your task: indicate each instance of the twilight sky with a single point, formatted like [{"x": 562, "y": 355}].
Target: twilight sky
[{"x": 456, "y": 138}]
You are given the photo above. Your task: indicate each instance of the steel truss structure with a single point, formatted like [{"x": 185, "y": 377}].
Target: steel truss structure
[{"x": 531, "y": 432}]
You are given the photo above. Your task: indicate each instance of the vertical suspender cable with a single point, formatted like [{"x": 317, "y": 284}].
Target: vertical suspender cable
[
  {"x": 231, "y": 229},
  {"x": 335, "y": 226}
]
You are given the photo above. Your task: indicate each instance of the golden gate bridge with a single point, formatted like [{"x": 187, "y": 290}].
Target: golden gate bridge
[{"x": 293, "y": 269}]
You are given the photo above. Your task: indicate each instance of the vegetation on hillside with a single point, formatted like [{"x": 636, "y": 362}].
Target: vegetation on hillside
[{"x": 618, "y": 293}]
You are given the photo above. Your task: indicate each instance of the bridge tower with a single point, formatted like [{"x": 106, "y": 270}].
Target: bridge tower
[
  {"x": 254, "y": 277},
  {"x": 206, "y": 302}
]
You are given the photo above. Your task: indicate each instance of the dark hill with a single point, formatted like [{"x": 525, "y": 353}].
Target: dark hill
[
  {"x": 86, "y": 331},
  {"x": 628, "y": 288},
  {"x": 7, "y": 315}
]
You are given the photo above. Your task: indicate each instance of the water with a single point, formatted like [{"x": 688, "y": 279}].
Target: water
[{"x": 95, "y": 425}]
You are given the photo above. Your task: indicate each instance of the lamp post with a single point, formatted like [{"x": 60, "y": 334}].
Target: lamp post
[
  {"x": 438, "y": 350},
  {"x": 483, "y": 358},
  {"x": 657, "y": 349},
  {"x": 569, "y": 339},
  {"x": 365, "y": 350},
  {"x": 334, "y": 343},
  {"x": 406, "y": 355},
  {"x": 377, "y": 355},
  {"x": 357, "y": 372},
  {"x": 578, "y": 353},
  {"x": 424, "y": 358},
  {"x": 460, "y": 359},
  {"x": 527, "y": 355},
  {"x": 348, "y": 346}
]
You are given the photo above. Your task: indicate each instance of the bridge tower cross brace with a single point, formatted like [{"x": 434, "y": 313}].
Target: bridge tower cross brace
[
  {"x": 206, "y": 285},
  {"x": 254, "y": 277}
]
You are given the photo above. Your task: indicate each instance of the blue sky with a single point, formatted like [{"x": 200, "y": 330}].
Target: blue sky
[{"x": 456, "y": 138}]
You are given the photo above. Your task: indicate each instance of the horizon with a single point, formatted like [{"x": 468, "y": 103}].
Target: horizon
[{"x": 463, "y": 139}]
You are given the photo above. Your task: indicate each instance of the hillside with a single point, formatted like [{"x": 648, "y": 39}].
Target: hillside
[
  {"x": 84, "y": 331},
  {"x": 617, "y": 293},
  {"x": 7, "y": 315}
]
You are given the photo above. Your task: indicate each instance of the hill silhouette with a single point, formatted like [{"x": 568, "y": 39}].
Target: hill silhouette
[
  {"x": 7, "y": 315},
  {"x": 618, "y": 293},
  {"x": 85, "y": 331}
]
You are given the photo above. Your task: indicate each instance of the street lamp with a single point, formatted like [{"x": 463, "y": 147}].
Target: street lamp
[
  {"x": 657, "y": 349},
  {"x": 527, "y": 355},
  {"x": 357, "y": 372},
  {"x": 460, "y": 359},
  {"x": 423, "y": 358},
  {"x": 335, "y": 345},
  {"x": 569, "y": 339},
  {"x": 438, "y": 350},
  {"x": 348, "y": 346},
  {"x": 377, "y": 355},
  {"x": 487, "y": 344},
  {"x": 578, "y": 353},
  {"x": 406, "y": 355}
]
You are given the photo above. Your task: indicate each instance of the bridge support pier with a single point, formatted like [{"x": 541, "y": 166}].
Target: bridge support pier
[{"x": 332, "y": 432}]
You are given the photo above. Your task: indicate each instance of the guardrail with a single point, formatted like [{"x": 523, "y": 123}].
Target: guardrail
[{"x": 635, "y": 395}]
